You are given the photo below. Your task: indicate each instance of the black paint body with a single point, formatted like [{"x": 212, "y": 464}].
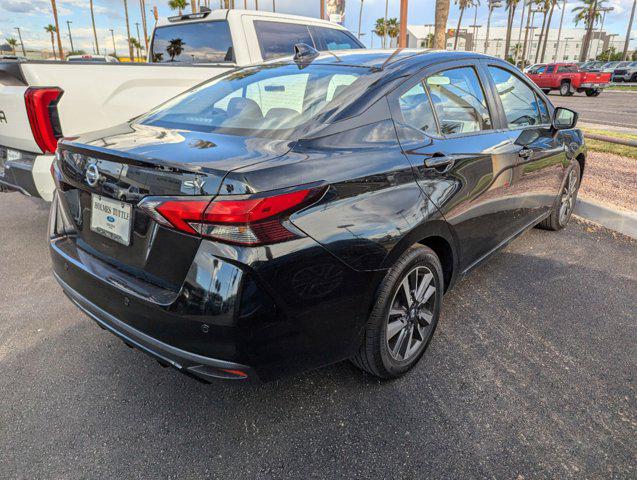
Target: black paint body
[{"x": 292, "y": 306}]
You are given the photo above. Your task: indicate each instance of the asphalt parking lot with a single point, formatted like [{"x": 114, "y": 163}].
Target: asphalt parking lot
[
  {"x": 531, "y": 374},
  {"x": 614, "y": 108}
]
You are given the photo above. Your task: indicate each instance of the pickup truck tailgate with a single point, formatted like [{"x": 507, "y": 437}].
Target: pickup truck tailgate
[
  {"x": 595, "y": 77},
  {"x": 15, "y": 130}
]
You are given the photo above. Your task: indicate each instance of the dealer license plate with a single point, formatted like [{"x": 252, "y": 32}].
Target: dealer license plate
[{"x": 112, "y": 218}]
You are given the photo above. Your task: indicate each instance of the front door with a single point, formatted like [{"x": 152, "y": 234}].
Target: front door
[{"x": 448, "y": 128}]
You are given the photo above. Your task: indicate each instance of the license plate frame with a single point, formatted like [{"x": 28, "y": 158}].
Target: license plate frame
[{"x": 113, "y": 219}]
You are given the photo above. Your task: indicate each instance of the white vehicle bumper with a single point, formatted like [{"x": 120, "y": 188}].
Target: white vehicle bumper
[{"x": 27, "y": 173}]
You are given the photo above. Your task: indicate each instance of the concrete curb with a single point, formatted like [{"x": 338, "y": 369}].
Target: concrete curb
[
  {"x": 605, "y": 138},
  {"x": 618, "y": 220}
]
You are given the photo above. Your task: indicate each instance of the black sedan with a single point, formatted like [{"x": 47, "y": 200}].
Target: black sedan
[{"x": 286, "y": 216}]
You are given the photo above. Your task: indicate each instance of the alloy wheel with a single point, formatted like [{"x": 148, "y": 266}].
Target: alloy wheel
[
  {"x": 410, "y": 314},
  {"x": 567, "y": 200}
]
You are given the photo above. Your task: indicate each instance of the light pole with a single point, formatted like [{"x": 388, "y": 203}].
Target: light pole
[
  {"x": 497, "y": 45},
  {"x": 517, "y": 50},
  {"x": 493, "y": 4},
  {"x": 566, "y": 45},
  {"x": 630, "y": 26},
  {"x": 360, "y": 16},
  {"x": 113, "y": 38},
  {"x": 24, "y": 52},
  {"x": 530, "y": 49},
  {"x": 475, "y": 36},
  {"x": 601, "y": 28},
  {"x": 559, "y": 32},
  {"x": 68, "y": 25}
]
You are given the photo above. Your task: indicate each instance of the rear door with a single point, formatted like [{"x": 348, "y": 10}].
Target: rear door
[{"x": 449, "y": 129}]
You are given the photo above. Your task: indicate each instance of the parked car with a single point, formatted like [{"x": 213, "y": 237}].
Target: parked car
[
  {"x": 625, "y": 72},
  {"x": 92, "y": 58},
  {"x": 534, "y": 68},
  {"x": 41, "y": 101},
  {"x": 568, "y": 79},
  {"x": 287, "y": 216},
  {"x": 593, "y": 66}
]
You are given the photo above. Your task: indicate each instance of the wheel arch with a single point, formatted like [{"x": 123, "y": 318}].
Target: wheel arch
[{"x": 438, "y": 236}]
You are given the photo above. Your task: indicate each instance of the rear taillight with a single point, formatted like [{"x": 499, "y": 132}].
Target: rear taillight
[
  {"x": 40, "y": 104},
  {"x": 244, "y": 221}
]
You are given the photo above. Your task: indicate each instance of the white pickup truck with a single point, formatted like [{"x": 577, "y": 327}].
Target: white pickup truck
[{"x": 42, "y": 101}]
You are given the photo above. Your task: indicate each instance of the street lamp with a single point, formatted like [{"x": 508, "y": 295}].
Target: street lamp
[
  {"x": 601, "y": 28},
  {"x": 475, "y": 36},
  {"x": 610, "y": 43},
  {"x": 24, "y": 53},
  {"x": 566, "y": 39},
  {"x": 497, "y": 45},
  {"x": 493, "y": 4},
  {"x": 113, "y": 38},
  {"x": 68, "y": 25}
]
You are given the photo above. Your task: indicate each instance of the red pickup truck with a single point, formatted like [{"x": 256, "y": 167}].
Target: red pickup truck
[{"x": 568, "y": 79}]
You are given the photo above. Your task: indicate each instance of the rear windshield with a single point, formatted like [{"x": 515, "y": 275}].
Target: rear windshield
[
  {"x": 199, "y": 42},
  {"x": 269, "y": 101}
]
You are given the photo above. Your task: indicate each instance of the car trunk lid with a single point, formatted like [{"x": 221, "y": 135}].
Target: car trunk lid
[{"x": 105, "y": 175}]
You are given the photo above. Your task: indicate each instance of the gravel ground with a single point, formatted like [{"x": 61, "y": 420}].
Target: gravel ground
[
  {"x": 610, "y": 179},
  {"x": 530, "y": 375}
]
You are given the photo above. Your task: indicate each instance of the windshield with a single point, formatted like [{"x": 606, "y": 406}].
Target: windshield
[
  {"x": 198, "y": 42},
  {"x": 270, "y": 100}
]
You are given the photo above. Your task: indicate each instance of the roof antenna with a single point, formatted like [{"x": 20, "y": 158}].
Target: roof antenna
[{"x": 304, "y": 54}]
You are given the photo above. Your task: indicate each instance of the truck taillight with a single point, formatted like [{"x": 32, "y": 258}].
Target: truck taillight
[
  {"x": 245, "y": 221},
  {"x": 40, "y": 104}
]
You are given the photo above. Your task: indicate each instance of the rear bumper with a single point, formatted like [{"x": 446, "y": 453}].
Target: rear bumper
[
  {"x": 597, "y": 86},
  {"x": 29, "y": 175},
  {"x": 199, "y": 366}
]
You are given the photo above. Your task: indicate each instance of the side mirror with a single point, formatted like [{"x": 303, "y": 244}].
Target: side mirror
[{"x": 564, "y": 118}]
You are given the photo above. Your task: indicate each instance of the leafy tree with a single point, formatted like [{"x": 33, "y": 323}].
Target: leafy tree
[
  {"x": 463, "y": 5},
  {"x": 175, "y": 48},
  {"x": 440, "y": 24},
  {"x": 380, "y": 29},
  {"x": 178, "y": 5},
  {"x": 393, "y": 29},
  {"x": 588, "y": 13},
  {"x": 511, "y": 5}
]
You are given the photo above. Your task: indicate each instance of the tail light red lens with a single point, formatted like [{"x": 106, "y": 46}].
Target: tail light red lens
[
  {"x": 247, "y": 221},
  {"x": 39, "y": 103}
]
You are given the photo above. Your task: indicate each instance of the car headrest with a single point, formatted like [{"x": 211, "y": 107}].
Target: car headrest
[{"x": 247, "y": 107}]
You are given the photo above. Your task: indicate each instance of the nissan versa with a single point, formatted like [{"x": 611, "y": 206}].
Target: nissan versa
[{"x": 290, "y": 215}]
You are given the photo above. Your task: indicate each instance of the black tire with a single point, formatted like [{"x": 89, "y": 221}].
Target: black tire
[
  {"x": 374, "y": 355},
  {"x": 555, "y": 221},
  {"x": 634, "y": 77},
  {"x": 592, "y": 92},
  {"x": 565, "y": 89},
  {"x": 546, "y": 91}
]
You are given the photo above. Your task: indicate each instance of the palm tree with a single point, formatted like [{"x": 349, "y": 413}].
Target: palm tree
[
  {"x": 12, "y": 43},
  {"x": 393, "y": 29},
  {"x": 545, "y": 5},
  {"x": 380, "y": 29},
  {"x": 57, "y": 29},
  {"x": 511, "y": 5},
  {"x": 97, "y": 47},
  {"x": 516, "y": 50},
  {"x": 440, "y": 27},
  {"x": 51, "y": 29},
  {"x": 548, "y": 29},
  {"x": 589, "y": 14},
  {"x": 175, "y": 47},
  {"x": 128, "y": 35},
  {"x": 136, "y": 45},
  {"x": 178, "y": 5},
  {"x": 463, "y": 4}
]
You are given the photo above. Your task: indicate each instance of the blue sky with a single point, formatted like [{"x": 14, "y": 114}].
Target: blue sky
[{"x": 32, "y": 15}]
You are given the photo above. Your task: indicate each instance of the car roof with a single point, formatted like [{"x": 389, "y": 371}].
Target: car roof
[{"x": 386, "y": 59}]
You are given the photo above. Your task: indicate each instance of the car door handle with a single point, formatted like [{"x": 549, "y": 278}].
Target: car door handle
[
  {"x": 439, "y": 161},
  {"x": 525, "y": 153}
]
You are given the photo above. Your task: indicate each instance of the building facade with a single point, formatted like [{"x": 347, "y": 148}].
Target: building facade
[{"x": 475, "y": 39}]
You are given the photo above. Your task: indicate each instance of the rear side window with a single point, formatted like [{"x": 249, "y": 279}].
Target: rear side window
[
  {"x": 333, "y": 39},
  {"x": 277, "y": 39},
  {"x": 459, "y": 101},
  {"x": 522, "y": 106},
  {"x": 416, "y": 109},
  {"x": 201, "y": 42}
]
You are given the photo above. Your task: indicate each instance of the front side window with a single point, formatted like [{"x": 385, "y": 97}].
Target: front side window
[
  {"x": 459, "y": 101},
  {"x": 521, "y": 104},
  {"x": 334, "y": 39},
  {"x": 416, "y": 109},
  {"x": 201, "y": 42},
  {"x": 541, "y": 69},
  {"x": 277, "y": 39},
  {"x": 258, "y": 101},
  {"x": 550, "y": 69}
]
